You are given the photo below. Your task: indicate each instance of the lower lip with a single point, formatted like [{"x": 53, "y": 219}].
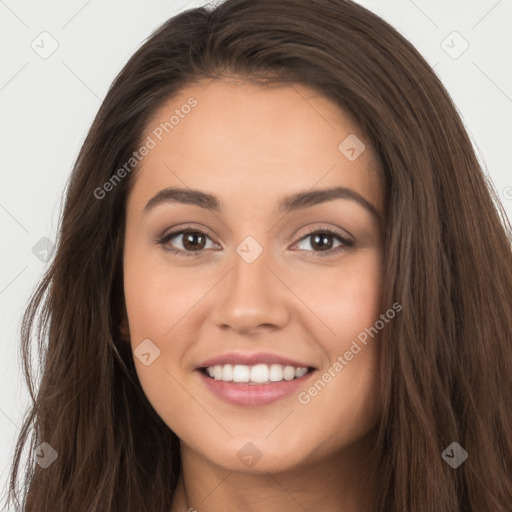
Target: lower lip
[{"x": 253, "y": 394}]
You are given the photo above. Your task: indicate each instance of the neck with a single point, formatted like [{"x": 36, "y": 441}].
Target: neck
[{"x": 343, "y": 482}]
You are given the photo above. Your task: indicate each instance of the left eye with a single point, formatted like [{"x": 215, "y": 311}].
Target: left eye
[
  {"x": 193, "y": 241},
  {"x": 321, "y": 239}
]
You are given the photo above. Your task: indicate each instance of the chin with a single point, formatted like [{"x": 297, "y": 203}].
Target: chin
[{"x": 258, "y": 455}]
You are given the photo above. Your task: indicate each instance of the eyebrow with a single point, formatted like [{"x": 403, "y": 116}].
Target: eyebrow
[{"x": 288, "y": 204}]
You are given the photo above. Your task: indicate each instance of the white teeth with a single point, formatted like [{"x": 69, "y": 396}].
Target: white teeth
[
  {"x": 217, "y": 372},
  {"x": 227, "y": 372},
  {"x": 241, "y": 373},
  {"x": 289, "y": 372},
  {"x": 300, "y": 372},
  {"x": 276, "y": 372},
  {"x": 257, "y": 374}
]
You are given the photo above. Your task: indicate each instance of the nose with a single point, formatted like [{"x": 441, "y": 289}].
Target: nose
[{"x": 252, "y": 298}]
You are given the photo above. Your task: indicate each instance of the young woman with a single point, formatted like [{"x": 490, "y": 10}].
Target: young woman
[{"x": 282, "y": 283}]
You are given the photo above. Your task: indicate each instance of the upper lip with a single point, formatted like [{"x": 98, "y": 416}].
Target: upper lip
[{"x": 252, "y": 359}]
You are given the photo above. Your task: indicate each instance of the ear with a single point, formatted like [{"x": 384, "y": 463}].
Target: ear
[
  {"x": 124, "y": 329},
  {"x": 119, "y": 313}
]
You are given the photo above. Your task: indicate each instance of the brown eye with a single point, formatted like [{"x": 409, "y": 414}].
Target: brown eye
[
  {"x": 191, "y": 241},
  {"x": 322, "y": 242}
]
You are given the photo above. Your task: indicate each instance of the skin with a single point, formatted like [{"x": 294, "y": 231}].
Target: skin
[{"x": 250, "y": 146}]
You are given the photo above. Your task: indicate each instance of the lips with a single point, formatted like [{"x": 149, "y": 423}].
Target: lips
[{"x": 253, "y": 379}]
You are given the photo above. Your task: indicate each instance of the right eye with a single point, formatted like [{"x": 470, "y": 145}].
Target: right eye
[{"x": 190, "y": 240}]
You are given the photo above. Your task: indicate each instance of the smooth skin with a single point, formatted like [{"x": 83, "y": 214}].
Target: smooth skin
[{"x": 250, "y": 146}]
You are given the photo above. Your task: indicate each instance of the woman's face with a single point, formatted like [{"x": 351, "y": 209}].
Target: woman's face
[{"x": 258, "y": 290}]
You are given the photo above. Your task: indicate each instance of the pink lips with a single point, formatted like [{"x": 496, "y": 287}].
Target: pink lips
[{"x": 252, "y": 394}]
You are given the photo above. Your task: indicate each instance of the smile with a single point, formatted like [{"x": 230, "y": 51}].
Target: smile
[
  {"x": 255, "y": 375},
  {"x": 268, "y": 383}
]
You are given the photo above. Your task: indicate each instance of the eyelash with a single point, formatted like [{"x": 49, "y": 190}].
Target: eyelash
[{"x": 346, "y": 244}]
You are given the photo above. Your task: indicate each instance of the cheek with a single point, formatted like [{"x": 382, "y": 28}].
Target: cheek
[
  {"x": 355, "y": 301},
  {"x": 346, "y": 298},
  {"x": 157, "y": 302},
  {"x": 157, "y": 297},
  {"x": 348, "y": 303}
]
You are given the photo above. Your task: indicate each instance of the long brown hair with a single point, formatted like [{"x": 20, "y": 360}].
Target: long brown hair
[{"x": 446, "y": 360}]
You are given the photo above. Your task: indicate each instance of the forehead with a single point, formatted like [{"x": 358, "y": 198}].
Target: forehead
[{"x": 232, "y": 138}]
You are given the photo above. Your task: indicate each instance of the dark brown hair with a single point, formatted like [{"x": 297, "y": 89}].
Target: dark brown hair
[{"x": 446, "y": 360}]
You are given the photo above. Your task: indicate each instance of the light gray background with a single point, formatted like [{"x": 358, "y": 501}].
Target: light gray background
[{"x": 48, "y": 104}]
